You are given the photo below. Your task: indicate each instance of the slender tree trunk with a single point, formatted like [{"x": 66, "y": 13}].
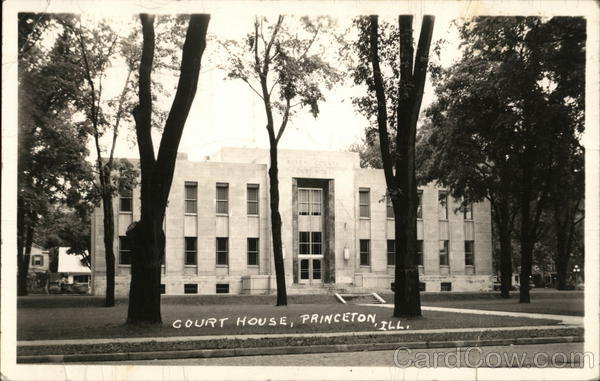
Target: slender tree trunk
[
  {"x": 109, "y": 254},
  {"x": 505, "y": 263},
  {"x": 21, "y": 291},
  {"x": 276, "y": 227},
  {"x": 502, "y": 221},
  {"x": 24, "y": 265},
  {"x": 526, "y": 237},
  {"x": 564, "y": 226}
]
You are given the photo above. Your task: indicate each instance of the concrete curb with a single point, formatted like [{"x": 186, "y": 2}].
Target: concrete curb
[
  {"x": 205, "y": 338},
  {"x": 262, "y": 351}
]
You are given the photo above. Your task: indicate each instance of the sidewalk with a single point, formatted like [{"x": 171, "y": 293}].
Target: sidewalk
[
  {"x": 93, "y": 350},
  {"x": 565, "y": 319}
]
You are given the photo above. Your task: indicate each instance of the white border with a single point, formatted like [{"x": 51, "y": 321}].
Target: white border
[{"x": 225, "y": 9}]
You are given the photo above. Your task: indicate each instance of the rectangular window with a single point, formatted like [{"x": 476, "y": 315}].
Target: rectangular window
[
  {"x": 222, "y": 288},
  {"x": 191, "y": 198},
  {"x": 469, "y": 253},
  {"x": 389, "y": 207},
  {"x": 446, "y": 286},
  {"x": 303, "y": 203},
  {"x": 391, "y": 252},
  {"x": 422, "y": 286},
  {"x": 365, "y": 255},
  {"x": 124, "y": 251},
  {"x": 252, "y": 198},
  {"x": 126, "y": 201},
  {"x": 37, "y": 260},
  {"x": 222, "y": 198},
  {"x": 364, "y": 196},
  {"x": 80, "y": 278},
  {"x": 419, "y": 204},
  {"x": 420, "y": 252},
  {"x": 468, "y": 211},
  {"x": 252, "y": 251},
  {"x": 315, "y": 201},
  {"x": 443, "y": 205},
  {"x": 190, "y": 288},
  {"x": 443, "y": 252},
  {"x": 163, "y": 289},
  {"x": 315, "y": 240},
  {"x": 191, "y": 251},
  {"x": 310, "y": 243},
  {"x": 222, "y": 251}
]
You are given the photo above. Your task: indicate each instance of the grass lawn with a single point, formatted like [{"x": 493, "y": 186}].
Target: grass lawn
[
  {"x": 559, "y": 303},
  {"x": 47, "y": 322}
]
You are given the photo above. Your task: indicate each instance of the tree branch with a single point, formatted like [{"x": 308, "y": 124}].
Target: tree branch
[
  {"x": 118, "y": 118},
  {"x": 382, "y": 118},
  {"x": 193, "y": 48},
  {"x": 286, "y": 115},
  {"x": 143, "y": 111},
  {"x": 422, "y": 60}
]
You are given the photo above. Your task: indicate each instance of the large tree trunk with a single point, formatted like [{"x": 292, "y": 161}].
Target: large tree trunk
[
  {"x": 148, "y": 245},
  {"x": 407, "y": 300},
  {"x": 146, "y": 236},
  {"x": 109, "y": 254},
  {"x": 276, "y": 228}
]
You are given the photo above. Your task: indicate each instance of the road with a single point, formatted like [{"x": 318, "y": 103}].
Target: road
[{"x": 528, "y": 356}]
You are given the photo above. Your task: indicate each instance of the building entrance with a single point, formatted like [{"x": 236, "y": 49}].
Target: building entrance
[{"x": 310, "y": 235}]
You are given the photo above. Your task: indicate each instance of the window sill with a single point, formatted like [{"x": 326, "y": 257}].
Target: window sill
[
  {"x": 253, "y": 215},
  {"x": 122, "y": 265},
  {"x": 190, "y": 214},
  {"x": 189, "y": 266},
  {"x": 222, "y": 266},
  {"x": 365, "y": 218},
  {"x": 253, "y": 266},
  {"x": 222, "y": 214},
  {"x": 123, "y": 212}
]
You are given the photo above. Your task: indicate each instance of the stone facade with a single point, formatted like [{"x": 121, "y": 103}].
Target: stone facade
[{"x": 331, "y": 182}]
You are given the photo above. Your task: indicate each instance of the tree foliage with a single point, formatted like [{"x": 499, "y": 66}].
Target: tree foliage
[
  {"x": 503, "y": 114},
  {"x": 52, "y": 167},
  {"x": 283, "y": 64}
]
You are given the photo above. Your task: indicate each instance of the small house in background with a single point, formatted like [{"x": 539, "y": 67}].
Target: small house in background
[
  {"x": 39, "y": 261},
  {"x": 71, "y": 269}
]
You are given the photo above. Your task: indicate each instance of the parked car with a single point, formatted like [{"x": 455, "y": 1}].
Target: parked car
[{"x": 54, "y": 287}]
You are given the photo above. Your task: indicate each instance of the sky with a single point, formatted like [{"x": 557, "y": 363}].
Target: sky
[{"x": 228, "y": 113}]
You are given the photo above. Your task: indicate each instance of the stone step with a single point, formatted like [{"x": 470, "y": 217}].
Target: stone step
[{"x": 360, "y": 298}]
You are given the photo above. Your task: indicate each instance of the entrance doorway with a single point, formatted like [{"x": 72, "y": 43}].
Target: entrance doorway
[{"x": 310, "y": 235}]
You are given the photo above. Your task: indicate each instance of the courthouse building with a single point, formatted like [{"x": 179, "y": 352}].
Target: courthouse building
[{"x": 337, "y": 229}]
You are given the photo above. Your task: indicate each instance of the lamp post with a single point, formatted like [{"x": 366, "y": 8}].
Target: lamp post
[{"x": 576, "y": 271}]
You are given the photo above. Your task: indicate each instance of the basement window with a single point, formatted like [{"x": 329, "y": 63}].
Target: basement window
[
  {"x": 162, "y": 288},
  {"x": 190, "y": 288},
  {"x": 421, "y": 286},
  {"x": 223, "y": 288},
  {"x": 446, "y": 286}
]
